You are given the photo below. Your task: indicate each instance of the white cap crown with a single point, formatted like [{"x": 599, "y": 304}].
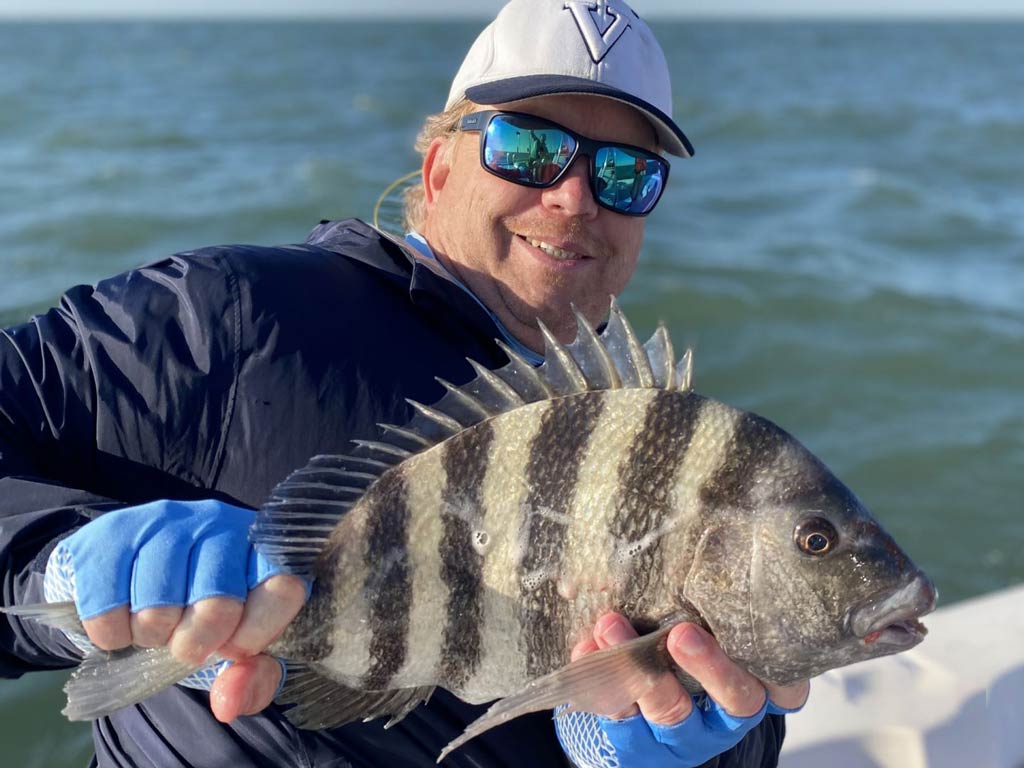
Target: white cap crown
[{"x": 546, "y": 47}]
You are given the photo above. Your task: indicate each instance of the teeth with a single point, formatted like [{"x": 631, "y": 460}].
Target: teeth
[{"x": 552, "y": 251}]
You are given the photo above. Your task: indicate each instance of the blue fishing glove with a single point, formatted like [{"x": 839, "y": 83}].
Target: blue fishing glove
[
  {"x": 163, "y": 553},
  {"x": 592, "y": 741}
]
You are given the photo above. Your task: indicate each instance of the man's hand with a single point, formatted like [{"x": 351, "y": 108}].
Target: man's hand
[
  {"x": 670, "y": 729},
  {"x": 177, "y": 574},
  {"x": 248, "y": 686},
  {"x": 238, "y": 631}
]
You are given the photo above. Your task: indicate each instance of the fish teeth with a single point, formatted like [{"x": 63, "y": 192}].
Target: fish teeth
[{"x": 553, "y": 250}]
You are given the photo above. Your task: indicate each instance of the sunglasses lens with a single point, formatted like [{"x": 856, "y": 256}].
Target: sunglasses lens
[
  {"x": 628, "y": 181},
  {"x": 526, "y": 151},
  {"x": 533, "y": 152}
]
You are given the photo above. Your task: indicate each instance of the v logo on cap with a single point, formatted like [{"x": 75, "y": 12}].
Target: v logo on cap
[{"x": 599, "y": 41}]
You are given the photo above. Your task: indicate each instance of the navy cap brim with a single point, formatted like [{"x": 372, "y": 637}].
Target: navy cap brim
[{"x": 670, "y": 136}]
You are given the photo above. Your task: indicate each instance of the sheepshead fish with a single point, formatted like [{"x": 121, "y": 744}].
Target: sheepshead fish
[{"x": 474, "y": 546}]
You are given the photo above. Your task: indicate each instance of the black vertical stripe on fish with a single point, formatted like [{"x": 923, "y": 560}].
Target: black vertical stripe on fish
[
  {"x": 752, "y": 448},
  {"x": 552, "y": 469},
  {"x": 647, "y": 475},
  {"x": 321, "y": 611},
  {"x": 388, "y": 586},
  {"x": 465, "y": 463}
]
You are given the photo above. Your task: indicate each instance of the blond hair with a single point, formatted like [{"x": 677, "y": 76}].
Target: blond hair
[{"x": 442, "y": 125}]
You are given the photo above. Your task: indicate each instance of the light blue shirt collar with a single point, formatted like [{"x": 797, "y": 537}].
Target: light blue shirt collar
[{"x": 422, "y": 247}]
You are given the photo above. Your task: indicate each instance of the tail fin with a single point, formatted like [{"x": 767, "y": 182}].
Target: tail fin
[
  {"x": 62, "y": 616},
  {"x": 106, "y": 682}
]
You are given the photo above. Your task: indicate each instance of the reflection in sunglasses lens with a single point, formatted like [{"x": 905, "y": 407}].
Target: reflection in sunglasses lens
[
  {"x": 526, "y": 152},
  {"x": 534, "y": 153},
  {"x": 626, "y": 180}
]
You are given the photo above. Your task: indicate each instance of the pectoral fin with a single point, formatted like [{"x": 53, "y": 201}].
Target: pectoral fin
[{"x": 603, "y": 682}]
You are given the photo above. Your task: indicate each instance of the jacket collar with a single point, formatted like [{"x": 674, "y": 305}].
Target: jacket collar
[{"x": 430, "y": 286}]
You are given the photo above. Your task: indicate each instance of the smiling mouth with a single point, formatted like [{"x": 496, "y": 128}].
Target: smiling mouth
[{"x": 558, "y": 254}]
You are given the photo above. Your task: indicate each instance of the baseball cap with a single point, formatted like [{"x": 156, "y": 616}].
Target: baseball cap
[{"x": 547, "y": 47}]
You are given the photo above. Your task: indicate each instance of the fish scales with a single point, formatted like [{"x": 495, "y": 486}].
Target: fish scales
[
  {"x": 465, "y": 463},
  {"x": 708, "y": 450},
  {"x": 425, "y": 488},
  {"x": 388, "y": 588},
  {"x": 753, "y": 446},
  {"x": 500, "y": 523},
  {"x": 590, "y": 578},
  {"x": 551, "y": 475},
  {"x": 645, "y": 500},
  {"x": 504, "y": 493},
  {"x": 332, "y": 627}
]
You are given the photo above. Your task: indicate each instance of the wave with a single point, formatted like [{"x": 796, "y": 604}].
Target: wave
[{"x": 116, "y": 138}]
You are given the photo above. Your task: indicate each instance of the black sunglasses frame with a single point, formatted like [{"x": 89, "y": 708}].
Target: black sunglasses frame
[{"x": 479, "y": 121}]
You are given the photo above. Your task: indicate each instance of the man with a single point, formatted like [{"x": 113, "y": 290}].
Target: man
[{"x": 209, "y": 376}]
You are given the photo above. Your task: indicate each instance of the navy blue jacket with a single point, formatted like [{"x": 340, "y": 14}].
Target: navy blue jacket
[{"x": 213, "y": 374}]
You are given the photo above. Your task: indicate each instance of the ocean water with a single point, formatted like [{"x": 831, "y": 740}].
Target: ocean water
[{"x": 845, "y": 253}]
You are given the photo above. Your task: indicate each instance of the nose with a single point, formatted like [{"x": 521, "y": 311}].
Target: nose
[{"x": 571, "y": 196}]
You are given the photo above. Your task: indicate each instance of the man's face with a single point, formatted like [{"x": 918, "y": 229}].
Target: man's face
[{"x": 529, "y": 253}]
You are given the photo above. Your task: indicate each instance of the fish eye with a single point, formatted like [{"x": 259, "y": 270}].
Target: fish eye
[{"x": 816, "y": 536}]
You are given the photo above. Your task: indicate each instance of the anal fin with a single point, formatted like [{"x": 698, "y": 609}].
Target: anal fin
[
  {"x": 324, "y": 703},
  {"x": 603, "y": 682}
]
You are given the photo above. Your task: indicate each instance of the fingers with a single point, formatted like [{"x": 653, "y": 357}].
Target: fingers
[
  {"x": 110, "y": 630},
  {"x": 152, "y": 627},
  {"x": 204, "y": 627},
  {"x": 269, "y": 608},
  {"x": 736, "y": 690},
  {"x": 245, "y": 688},
  {"x": 612, "y": 629},
  {"x": 667, "y": 702},
  {"x": 789, "y": 696},
  {"x": 582, "y": 648}
]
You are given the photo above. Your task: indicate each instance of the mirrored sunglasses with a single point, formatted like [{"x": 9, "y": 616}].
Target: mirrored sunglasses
[{"x": 534, "y": 152}]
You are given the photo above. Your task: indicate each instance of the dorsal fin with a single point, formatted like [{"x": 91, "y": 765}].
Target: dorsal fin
[
  {"x": 521, "y": 376},
  {"x": 559, "y": 368},
  {"x": 296, "y": 523},
  {"x": 684, "y": 372},
  {"x": 626, "y": 351},
  {"x": 592, "y": 357},
  {"x": 658, "y": 350}
]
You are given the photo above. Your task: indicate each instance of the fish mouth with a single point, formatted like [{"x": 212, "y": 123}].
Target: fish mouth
[
  {"x": 905, "y": 633},
  {"x": 891, "y": 620}
]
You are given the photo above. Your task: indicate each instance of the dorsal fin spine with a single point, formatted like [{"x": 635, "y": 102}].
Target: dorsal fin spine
[
  {"x": 366, "y": 461},
  {"x": 519, "y": 366},
  {"x": 588, "y": 346},
  {"x": 660, "y": 356},
  {"x": 409, "y": 434},
  {"x": 637, "y": 355},
  {"x": 464, "y": 397},
  {"x": 387, "y": 449},
  {"x": 442, "y": 420},
  {"x": 684, "y": 371},
  {"x": 559, "y": 363},
  {"x": 502, "y": 387}
]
